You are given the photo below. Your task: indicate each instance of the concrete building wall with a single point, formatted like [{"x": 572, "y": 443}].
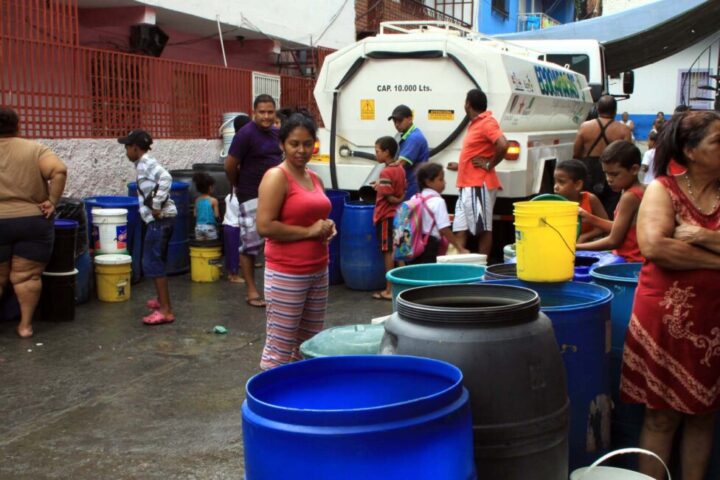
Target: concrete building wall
[
  {"x": 657, "y": 86},
  {"x": 100, "y": 167},
  {"x": 615, "y": 6}
]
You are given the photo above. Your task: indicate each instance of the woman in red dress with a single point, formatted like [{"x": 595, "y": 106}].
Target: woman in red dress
[{"x": 671, "y": 360}]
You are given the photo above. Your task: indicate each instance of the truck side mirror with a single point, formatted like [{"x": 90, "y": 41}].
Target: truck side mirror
[{"x": 628, "y": 82}]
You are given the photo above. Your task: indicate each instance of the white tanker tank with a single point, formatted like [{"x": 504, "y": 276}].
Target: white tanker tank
[{"x": 430, "y": 66}]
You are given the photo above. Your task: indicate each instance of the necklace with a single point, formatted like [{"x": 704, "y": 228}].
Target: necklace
[{"x": 696, "y": 201}]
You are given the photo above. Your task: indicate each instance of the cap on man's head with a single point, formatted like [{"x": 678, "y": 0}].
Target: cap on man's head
[
  {"x": 400, "y": 112},
  {"x": 137, "y": 137}
]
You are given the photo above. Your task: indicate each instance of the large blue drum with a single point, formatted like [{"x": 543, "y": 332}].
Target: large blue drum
[
  {"x": 134, "y": 225},
  {"x": 179, "y": 250},
  {"x": 337, "y": 200},
  {"x": 361, "y": 262},
  {"x": 580, "y": 315},
  {"x": 357, "y": 418}
]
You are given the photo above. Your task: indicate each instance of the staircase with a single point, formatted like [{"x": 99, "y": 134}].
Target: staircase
[{"x": 700, "y": 87}]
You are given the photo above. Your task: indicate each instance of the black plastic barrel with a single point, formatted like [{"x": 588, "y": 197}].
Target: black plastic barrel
[
  {"x": 57, "y": 300},
  {"x": 222, "y": 188},
  {"x": 74, "y": 209},
  {"x": 501, "y": 271},
  {"x": 511, "y": 366},
  {"x": 63, "y": 254}
]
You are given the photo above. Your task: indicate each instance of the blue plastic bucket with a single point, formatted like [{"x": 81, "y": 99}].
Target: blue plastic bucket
[
  {"x": 84, "y": 278},
  {"x": 337, "y": 200},
  {"x": 134, "y": 224},
  {"x": 421, "y": 275},
  {"x": 358, "y": 417},
  {"x": 178, "y": 260},
  {"x": 580, "y": 315},
  {"x": 361, "y": 261},
  {"x": 622, "y": 280}
]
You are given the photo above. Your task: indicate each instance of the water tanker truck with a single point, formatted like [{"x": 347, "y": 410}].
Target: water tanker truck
[{"x": 430, "y": 66}]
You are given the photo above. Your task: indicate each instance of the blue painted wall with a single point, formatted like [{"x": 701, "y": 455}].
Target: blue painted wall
[
  {"x": 643, "y": 123},
  {"x": 491, "y": 22}
]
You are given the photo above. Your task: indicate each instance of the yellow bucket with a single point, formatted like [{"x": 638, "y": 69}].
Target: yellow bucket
[
  {"x": 545, "y": 233},
  {"x": 112, "y": 276},
  {"x": 205, "y": 263}
]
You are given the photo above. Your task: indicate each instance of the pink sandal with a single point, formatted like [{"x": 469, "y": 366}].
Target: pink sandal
[
  {"x": 157, "y": 318},
  {"x": 153, "y": 304}
]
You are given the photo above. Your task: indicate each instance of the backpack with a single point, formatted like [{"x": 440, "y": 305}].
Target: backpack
[{"x": 408, "y": 239}]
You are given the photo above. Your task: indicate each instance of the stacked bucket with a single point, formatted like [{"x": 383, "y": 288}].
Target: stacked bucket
[
  {"x": 57, "y": 301},
  {"x": 113, "y": 265}
]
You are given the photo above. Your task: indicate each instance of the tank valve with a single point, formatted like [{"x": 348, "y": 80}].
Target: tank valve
[{"x": 345, "y": 151}]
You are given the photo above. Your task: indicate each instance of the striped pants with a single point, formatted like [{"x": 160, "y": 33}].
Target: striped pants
[{"x": 295, "y": 312}]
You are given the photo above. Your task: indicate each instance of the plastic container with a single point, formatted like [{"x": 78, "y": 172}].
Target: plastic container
[
  {"x": 466, "y": 258},
  {"x": 130, "y": 203},
  {"x": 57, "y": 300},
  {"x": 337, "y": 200},
  {"x": 358, "y": 418},
  {"x": 74, "y": 209},
  {"x": 110, "y": 230},
  {"x": 596, "y": 472},
  {"x": 402, "y": 278},
  {"x": 545, "y": 234},
  {"x": 345, "y": 340},
  {"x": 586, "y": 261},
  {"x": 63, "y": 254},
  {"x": 580, "y": 316},
  {"x": 361, "y": 262},
  {"x": 205, "y": 261},
  {"x": 511, "y": 362},
  {"x": 113, "y": 277},
  {"x": 84, "y": 278}
]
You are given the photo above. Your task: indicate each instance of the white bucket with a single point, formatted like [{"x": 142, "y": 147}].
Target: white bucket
[
  {"x": 227, "y": 130},
  {"x": 110, "y": 230},
  {"x": 595, "y": 472},
  {"x": 471, "y": 258}
]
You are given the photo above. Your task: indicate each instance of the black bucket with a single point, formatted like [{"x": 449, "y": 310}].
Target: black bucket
[
  {"x": 511, "y": 364},
  {"x": 63, "y": 255},
  {"x": 57, "y": 301},
  {"x": 74, "y": 209}
]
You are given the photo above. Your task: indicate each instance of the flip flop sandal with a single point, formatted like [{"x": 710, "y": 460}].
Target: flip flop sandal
[
  {"x": 250, "y": 301},
  {"x": 153, "y": 304},
  {"x": 380, "y": 296},
  {"x": 157, "y": 318}
]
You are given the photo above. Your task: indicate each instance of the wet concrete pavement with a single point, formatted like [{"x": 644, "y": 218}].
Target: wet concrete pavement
[{"x": 107, "y": 397}]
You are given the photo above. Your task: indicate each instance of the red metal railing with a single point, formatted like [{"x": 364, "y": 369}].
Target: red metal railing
[
  {"x": 41, "y": 20},
  {"x": 62, "y": 90}
]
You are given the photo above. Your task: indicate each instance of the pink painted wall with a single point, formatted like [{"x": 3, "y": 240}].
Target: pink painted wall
[{"x": 109, "y": 29}]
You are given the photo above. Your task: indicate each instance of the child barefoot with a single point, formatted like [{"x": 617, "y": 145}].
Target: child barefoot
[
  {"x": 435, "y": 219},
  {"x": 570, "y": 178},
  {"x": 390, "y": 188},
  {"x": 206, "y": 208},
  {"x": 621, "y": 164}
]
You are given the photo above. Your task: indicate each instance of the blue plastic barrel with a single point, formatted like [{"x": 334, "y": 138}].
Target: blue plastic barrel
[
  {"x": 337, "y": 200},
  {"x": 134, "y": 225},
  {"x": 361, "y": 262},
  {"x": 585, "y": 261},
  {"x": 411, "y": 276},
  {"x": 84, "y": 278},
  {"x": 357, "y": 418},
  {"x": 179, "y": 250},
  {"x": 580, "y": 315}
]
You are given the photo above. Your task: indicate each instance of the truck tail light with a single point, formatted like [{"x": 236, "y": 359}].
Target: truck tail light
[
  {"x": 316, "y": 147},
  {"x": 513, "y": 151}
]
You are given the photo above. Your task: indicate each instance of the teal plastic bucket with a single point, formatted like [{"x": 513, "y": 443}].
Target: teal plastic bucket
[
  {"x": 345, "y": 340},
  {"x": 357, "y": 418},
  {"x": 423, "y": 275}
]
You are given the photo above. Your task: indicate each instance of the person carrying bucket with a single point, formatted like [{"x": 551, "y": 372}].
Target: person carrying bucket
[
  {"x": 158, "y": 211},
  {"x": 621, "y": 164}
]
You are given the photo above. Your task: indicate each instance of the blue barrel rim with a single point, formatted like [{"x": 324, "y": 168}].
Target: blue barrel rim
[
  {"x": 358, "y": 204},
  {"x": 437, "y": 266},
  {"x": 65, "y": 224},
  {"x": 176, "y": 185},
  {"x": 357, "y": 416},
  {"x": 600, "y": 275},
  {"x": 607, "y": 295}
]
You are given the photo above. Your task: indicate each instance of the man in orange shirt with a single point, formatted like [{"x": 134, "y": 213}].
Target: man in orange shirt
[{"x": 483, "y": 148}]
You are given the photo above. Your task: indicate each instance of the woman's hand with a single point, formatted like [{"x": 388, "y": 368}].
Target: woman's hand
[
  {"x": 47, "y": 208},
  {"x": 333, "y": 232},
  {"x": 691, "y": 234},
  {"x": 321, "y": 229}
]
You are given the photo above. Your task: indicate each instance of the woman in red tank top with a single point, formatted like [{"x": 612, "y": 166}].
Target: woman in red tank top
[
  {"x": 292, "y": 215},
  {"x": 671, "y": 359}
]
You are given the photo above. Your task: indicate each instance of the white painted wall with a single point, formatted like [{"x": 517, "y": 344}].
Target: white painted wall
[
  {"x": 615, "y": 6},
  {"x": 100, "y": 167},
  {"x": 301, "y": 21},
  {"x": 657, "y": 85}
]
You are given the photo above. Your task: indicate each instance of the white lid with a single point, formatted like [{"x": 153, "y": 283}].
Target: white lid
[
  {"x": 109, "y": 211},
  {"x": 60, "y": 274},
  {"x": 113, "y": 259},
  {"x": 476, "y": 258}
]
